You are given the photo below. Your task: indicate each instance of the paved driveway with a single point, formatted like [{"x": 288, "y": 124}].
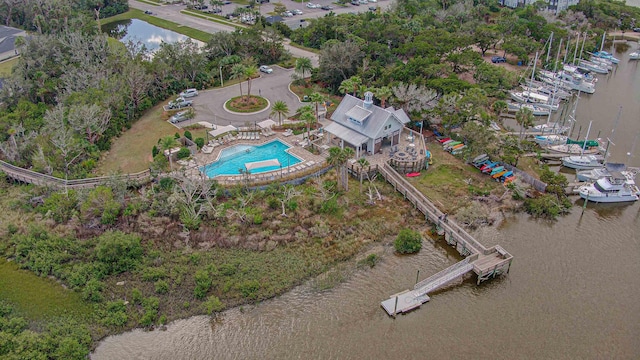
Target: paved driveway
[{"x": 275, "y": 86}]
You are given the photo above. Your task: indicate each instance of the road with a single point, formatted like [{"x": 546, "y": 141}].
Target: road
[
  {"x": 209, "y": 105},
  {"x": 172, "y": 13}
]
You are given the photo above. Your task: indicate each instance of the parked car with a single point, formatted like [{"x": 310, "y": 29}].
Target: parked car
[
  {"x": 189, "y": 93},
  {"x": 179, "y": 117},
  {"x": 266, "y": 69},
  {"x": 313, "y": 6},
  {"x": 363, "y": 2},
  {"x": 215, "y": 11},
  {"x": 355, "y": 3},
  {"x": 373, "y": 1},
  {"x": 498, "y": 59},
  {"x": 179, "y": 103},
  {"x": 227, "y": 2},
  {"x": 372, "y": 8},
  {"x": 326, "y": 7},
  {"x": 287, "y": 14},
  {"x": 148, "y": 12},
  {"x": 200, "y": 7},
  {"x": 636, "y": 29},
  {"x": 296, "y": 12}
]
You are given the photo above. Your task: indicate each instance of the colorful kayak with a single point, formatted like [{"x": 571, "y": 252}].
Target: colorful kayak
[
  {"x": 509, "y": 179},
  {"x": 448, "y": 142},
  {"x": 497, "y": 169},
  {"x": 413, "y": 174},
  {"x": 497, "y": 175},
  {"x": 458, "y": 146},
  {"x": 451, "y": 144},
  {"x": 488, "y": 165},
  {"x": 443, "y": 140}
]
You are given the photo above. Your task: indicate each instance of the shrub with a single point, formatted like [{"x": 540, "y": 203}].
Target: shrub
[
  {"x": 188, "y": 135},
  {"x": 408, "y": 241},
  {"x": 100, "y": 203},
  {"x": 93, "y": 291},
  {"x": 115, "y": 314},
  {"x": 249, "y": 289},
  {"x": 154, "y": 273},
  {"x": 371, "y": 260},
  {"x": 163, "y": 319},
  {"x": 257, "y": 219},
  {"x": 273, "y": 203},
  {"x": 203, "y": 284},
  {"x": 329, "y": 207},
  {"x": 136, "y": 296},
  {"x": 176, "y": 135},
  {"x": 183, "y": 153},
  {"x": 166, "y": 184},
  {"x": 60, "y": 207},
  {"x": 199, "y": 141},
  {"x": 213, "y": 304},
  {"x": 162, "y": 287},
  {"x": 155, "y": 151},
  {"x": 120, "y": 252}
]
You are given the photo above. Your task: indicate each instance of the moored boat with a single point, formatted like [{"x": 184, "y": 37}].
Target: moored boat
[
  {"x": 606, "y": 55},
  {"x": 583, "y": 162},
  {"x": 553, "y": 139},
  {"x": 571, "y": 149},
  {"x": 611, "y": 189},
  {"x": 635, "y": 55},
  {"x": 535, "y": 110},
  {"x": 597, "y": 173}
]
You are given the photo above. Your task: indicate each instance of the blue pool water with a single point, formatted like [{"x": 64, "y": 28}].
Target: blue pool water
[{"x": 233, "y": 159}]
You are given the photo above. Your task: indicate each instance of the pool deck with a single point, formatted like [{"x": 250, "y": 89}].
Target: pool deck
[{"x": 310, "y": 162}]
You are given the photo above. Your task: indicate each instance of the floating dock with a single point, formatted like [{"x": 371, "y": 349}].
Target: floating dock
[{"x": 486, "y": 263}]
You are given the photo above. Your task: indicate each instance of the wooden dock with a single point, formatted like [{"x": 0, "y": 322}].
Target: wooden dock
[
  {"x": 31, "y": 177},
  {"x": 486, "y": 263}
]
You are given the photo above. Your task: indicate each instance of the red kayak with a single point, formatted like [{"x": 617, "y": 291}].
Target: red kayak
[
  {"x": 413, "y": 174},
  {"x": 443, "y": 140}
]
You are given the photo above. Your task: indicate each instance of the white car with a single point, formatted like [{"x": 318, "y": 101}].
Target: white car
[
  {"x": 265, "y": 69},
  {"x": 363, "y": 2},
  {"x": 189, "y": 93},
  {"x": 373, "y": 1},
  {"x": 287, "y": 14},
  {"x": 312, "y": 6},
  {"x": 296, "y": 12}
]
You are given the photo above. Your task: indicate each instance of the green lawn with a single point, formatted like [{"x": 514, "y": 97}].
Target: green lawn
[
  {"x": 38, "y": 298},
  {"x": 131, "y": 152},
  {"x": 7, "y": 65}
]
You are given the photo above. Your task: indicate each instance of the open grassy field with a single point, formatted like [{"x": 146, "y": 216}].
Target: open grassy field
[
  {"x": 38, "y": 298},
  {"x": 450, "y": 183},
  {"x": 7, "y": 65},
  {"x": 131, "y": 152}
]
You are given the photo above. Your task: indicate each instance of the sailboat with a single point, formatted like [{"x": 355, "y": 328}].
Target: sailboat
[{"x": 582, "y": 161}]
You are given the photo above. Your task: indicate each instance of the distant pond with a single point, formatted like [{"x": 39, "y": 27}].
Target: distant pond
[{"x": 141, "y": 31}]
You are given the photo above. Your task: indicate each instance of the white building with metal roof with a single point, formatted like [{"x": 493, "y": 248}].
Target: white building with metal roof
[{"x": 364, "y": 126}]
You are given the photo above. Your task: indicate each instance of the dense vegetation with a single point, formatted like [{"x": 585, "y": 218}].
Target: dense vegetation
[{"x": 408, "y": 241}]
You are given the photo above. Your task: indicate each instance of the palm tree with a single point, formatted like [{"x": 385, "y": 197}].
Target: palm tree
[
  {"x": 166, "y": 144},
  {"x": 524, "y": 118},
  {"x": 281, "y": 109},
  {"x": 346, "y": 86},
  {"x": 383, "y": 93},
  {"x": 316, "y": 98},
  {"x": 348, "y": 153},
  {"x": 363, "y": 163},
  {"x": 357, "y": 81},
  {"x": 249, "y": 71},
  {"x": 304, "y": 65},
  {"x": 306, "y": 115},
  {"x": 336, "y": 159},
  {"x": 237, "y": 72}
]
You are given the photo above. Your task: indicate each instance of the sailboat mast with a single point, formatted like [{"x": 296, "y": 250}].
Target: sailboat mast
[
  {"x": 602, "y": 43},
  {"x": 583, "y": 41},
  {"x": 549, "y": 49},
  {"x": 566, "y": 51},
  {"x": 584, "y": 145},
  {"x": 575, "y": 51}
]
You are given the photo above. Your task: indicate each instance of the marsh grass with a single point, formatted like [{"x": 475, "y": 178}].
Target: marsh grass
[{"x": 38, "y": 298}]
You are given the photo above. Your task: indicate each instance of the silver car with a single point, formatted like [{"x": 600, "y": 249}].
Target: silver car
[
  {"x": 179, "y": 117},
  {"x": 189, "y": 93}
]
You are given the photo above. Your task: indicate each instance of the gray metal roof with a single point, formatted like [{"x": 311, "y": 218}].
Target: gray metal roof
[
  {"x": 358, "y": 113},
  {"x": 373, "y": 124},
  {"x": 346, "y": 134}
]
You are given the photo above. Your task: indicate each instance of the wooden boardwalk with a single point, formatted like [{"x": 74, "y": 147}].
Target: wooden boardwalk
[
  {"x": 485, "y": 262},
  {"x": 31, "y": 177}
]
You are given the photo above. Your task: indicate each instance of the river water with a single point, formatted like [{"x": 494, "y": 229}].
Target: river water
[{"x": 573, "y": 291}]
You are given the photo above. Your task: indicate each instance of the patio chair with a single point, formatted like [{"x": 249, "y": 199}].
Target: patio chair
[{"x": 257, "y": 136}]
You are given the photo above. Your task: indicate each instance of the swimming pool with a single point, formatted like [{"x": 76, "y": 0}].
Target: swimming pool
[{"x": 234, "y": 159}]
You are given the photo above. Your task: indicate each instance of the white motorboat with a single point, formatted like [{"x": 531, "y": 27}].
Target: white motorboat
[
  {"x": 635, "y": 55},
  {"x": 553, "y": 139},
  {"x": 602, "y": 62},
  {"x": 595, "y": 174},
  {"x": 583, "y": 162},
  {"x": 573, "y": 81},
  {"x": 611, "y": 189},
  {"x": 536, "y": 110}
]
